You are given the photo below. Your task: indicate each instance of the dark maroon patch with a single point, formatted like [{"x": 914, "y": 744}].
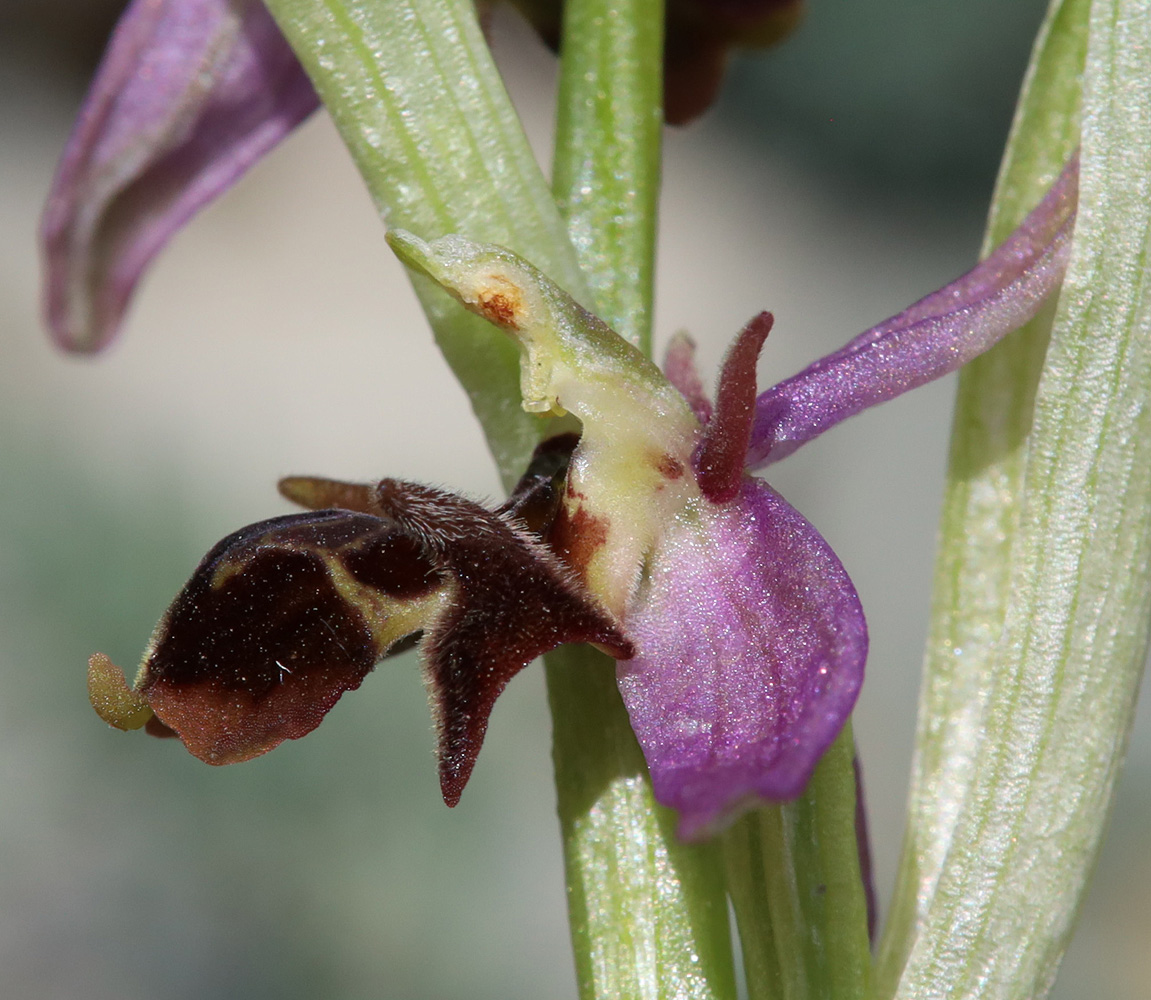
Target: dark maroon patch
[
  {"x": 394, "y": 564},
  {"x": 278, "y": 610},
  {"x": 576, "y": 537},
  {"x": 260, "y": 643},
  {"x": 670, "y": 467}
]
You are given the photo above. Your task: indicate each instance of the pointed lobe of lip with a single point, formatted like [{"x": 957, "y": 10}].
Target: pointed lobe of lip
[{"x": 514, "y": 601}]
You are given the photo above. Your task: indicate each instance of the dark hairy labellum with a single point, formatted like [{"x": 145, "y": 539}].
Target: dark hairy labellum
[{"x": 283, "y": 616}]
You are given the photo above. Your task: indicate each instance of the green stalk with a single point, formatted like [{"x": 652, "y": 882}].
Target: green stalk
[
  {"x": 794, "y": 876},
  {"x": 648, "y": 913},
  {"x": 420, "y": 104},
  {"x": 749, "y": 871},
  {"x": 412, "y": 88},
  {"x": 984, "y": 493},
  {"x": 606, "y": 171},
  {"x": 1045, "y": 715}
]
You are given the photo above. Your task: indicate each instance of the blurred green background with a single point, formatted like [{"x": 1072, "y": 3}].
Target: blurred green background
[{"x": 842, "y": 176}]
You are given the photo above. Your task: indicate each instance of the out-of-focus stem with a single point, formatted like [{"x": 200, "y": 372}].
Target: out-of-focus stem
[
  {"x": 606, "y": 170},
  {"x": 648, "y": 913},
  {"x": 796, "y": 886}
]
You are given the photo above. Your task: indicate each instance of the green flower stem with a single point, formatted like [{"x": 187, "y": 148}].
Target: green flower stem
[
  {"x": 794, "y": 876},
  {"x": 984, "y": 494},
  {"x": 648, "y": 913},
  {"x": 1047, "y": 719},
  {"x": 606, "y": 170},
  {"x": 420, "y": 104},
  {"x": 749, "y": 870}
]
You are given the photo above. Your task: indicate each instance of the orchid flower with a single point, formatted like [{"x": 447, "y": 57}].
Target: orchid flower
[{"x": 740, "y": 639}]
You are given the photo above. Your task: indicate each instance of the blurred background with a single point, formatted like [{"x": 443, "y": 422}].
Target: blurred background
[{"x": 842, "y": 176}]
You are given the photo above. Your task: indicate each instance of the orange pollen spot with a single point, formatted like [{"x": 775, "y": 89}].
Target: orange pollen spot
[{"x": 501, "y": 302}]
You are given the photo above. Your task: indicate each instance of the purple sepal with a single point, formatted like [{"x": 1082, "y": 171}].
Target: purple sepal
[
  {"x": 751, "y": 643},
  {"x": 937, "y": 335},
  {"x": 190, "y": 94}
]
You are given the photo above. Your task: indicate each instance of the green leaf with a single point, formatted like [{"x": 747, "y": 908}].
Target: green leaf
[
  {"x": 413, "y": 90},
  {"x": 984, "y": 494},
  {"x": 1045, "y": 688}
]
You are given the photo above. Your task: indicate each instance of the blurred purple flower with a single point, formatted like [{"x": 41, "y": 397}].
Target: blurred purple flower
[{"x": 189, "y": 95}]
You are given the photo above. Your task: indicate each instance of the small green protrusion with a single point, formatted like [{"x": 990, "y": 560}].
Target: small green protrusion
[{"x": 115, "y": 702}]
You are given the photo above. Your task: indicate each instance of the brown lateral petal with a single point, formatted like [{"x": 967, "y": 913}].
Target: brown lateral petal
[
  {"x": 278, "y": 621},
  {"x": 535, "y": 501},
  {"x": 723, "y": 452},
  {"x": 316, "y": 493},
  {"x": 515, "y": 601}
]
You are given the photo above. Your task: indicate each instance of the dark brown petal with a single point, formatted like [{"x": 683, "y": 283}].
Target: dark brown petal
[{"x": 316, "y": 493}]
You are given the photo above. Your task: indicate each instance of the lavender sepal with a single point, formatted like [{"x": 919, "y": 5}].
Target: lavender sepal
[
  {"x": 935, "y": 336},
  {"x": 189, "y": 95}
]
